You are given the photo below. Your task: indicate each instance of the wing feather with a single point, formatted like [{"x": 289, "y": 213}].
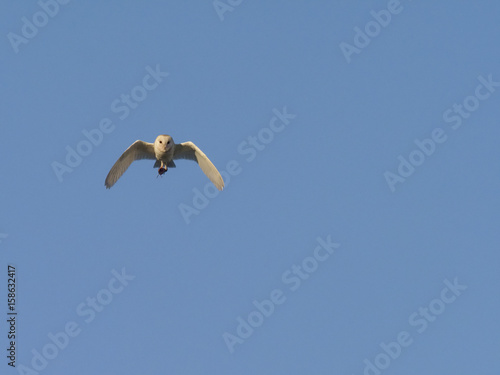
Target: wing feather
[
  {"x": 138, "y": 150},
  {"x": 188, "y": 150}
]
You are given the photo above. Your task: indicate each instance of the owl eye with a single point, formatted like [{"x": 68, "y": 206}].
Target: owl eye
[
  {"x": 168, "y": 142},
  {"x": 160, "y": 141}
]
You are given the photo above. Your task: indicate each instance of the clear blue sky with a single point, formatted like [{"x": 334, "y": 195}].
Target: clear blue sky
[{"x": 359, "y": 141}]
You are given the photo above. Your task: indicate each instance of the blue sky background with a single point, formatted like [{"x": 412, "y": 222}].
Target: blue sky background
[{"x": 323, "y": 175}]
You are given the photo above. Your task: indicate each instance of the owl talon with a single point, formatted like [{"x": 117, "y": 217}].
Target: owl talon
[{"x": 161, "y": 171}]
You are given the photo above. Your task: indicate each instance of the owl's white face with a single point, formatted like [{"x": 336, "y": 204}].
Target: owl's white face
[{"x": 164, "y": 143}]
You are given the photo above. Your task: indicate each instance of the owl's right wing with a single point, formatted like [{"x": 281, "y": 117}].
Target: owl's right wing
[{"x": 138, "y": 150}]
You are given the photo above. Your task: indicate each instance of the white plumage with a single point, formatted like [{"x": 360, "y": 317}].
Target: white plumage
[{"x": 164, "y": 151}]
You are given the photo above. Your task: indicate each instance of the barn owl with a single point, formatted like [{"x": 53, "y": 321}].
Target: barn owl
[{"x": 164, "y": 151}]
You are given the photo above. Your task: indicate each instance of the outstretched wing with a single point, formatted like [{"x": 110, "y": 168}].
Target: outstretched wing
[
  {"x": 188, "y": 150},
  {"x": 138, "y": 150}
]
